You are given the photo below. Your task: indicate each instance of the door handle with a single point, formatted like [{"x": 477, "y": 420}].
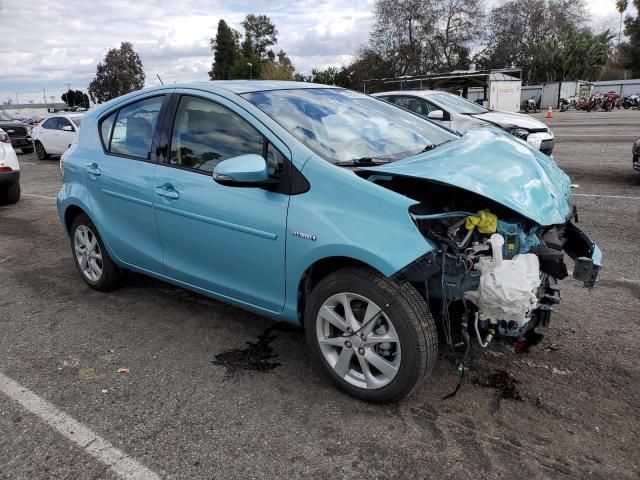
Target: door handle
[
  {"x": 93, "y": 169},
  {"x": 168, "y": 191}
]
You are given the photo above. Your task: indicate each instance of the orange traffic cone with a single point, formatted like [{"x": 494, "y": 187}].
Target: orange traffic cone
[{"x": 549, "y": 113}]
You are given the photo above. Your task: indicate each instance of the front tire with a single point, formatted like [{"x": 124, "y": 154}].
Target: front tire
[
  {"x": 91, "y": 258},
  {"x": 40, "y": 151},
  {"x": 373, "y": 336}
]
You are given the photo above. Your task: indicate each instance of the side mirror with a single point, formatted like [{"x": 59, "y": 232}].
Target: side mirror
[
  {"x": 436, "y": 115},
  {"x": 243, "y": 171},
  {"x": 67, "y": 128}
]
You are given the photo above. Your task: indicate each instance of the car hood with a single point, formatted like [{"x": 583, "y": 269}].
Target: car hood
[
  {"x": 508, "y": 119},
  {"x": 12, "y": 123},
  {"x": 497, "y": 166}
]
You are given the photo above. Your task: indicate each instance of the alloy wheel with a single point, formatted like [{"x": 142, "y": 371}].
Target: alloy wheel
[
  {"x": 358, "y": 340},
  {"x": 88, "y": 253}
]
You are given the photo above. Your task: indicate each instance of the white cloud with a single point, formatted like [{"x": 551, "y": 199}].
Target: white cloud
[{"x": 51, "y": 43}]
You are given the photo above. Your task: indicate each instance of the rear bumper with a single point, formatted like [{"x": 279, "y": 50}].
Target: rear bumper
[
  {"x": 9, "y": 178},
  {"x": 585, "y": 253}
]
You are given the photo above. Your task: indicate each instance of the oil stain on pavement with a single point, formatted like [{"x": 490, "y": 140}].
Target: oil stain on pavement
[{"x": 256, "y": 357}]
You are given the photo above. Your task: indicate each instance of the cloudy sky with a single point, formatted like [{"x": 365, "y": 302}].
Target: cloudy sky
[{"x": 49, "y": 44}]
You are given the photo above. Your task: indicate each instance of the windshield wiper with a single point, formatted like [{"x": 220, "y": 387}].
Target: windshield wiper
[
  {"x": 363, "y": 162},
  {"x": 431, "y": 146}
]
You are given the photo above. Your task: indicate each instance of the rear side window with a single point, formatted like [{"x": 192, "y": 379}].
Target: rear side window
[
  {"x": 205, "y": 133},
  {"x": 129, "y": 131},
  {"x": 105, "y": 129}
]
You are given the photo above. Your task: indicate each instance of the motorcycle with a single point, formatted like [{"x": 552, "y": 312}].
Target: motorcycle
[
  {"x": 631, "y": 101},
  {"x": 586, "y": 104},
  {"x": 566, "y": 104},
  {"x": 609, "y": 101},
  {"x": 530, "y": 105}
]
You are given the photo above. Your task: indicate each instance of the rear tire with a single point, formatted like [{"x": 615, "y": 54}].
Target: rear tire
[
  {"x": 391, "y": 355},
  {"x": 91, "y": 258},
  {"x": 40, "y": 151},
  {"x": 27, "y": 150},
  {"x": 11, "y": 194}
]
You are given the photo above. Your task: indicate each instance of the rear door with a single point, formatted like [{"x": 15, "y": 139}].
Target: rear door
[
  {"x": 226, "y": 240},
  {"x": 120, "y": 180}
]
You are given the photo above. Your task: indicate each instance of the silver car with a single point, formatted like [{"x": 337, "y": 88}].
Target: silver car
[{"x": 460, "y": 114}]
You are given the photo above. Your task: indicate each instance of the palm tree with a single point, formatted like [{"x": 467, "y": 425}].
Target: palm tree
[{"x": 621, "y": 5}]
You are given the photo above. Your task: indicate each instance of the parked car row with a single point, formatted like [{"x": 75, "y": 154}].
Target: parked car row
[{"x": 50, "y": 136}]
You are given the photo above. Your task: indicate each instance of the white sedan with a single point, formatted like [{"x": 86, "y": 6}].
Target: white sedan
[
  {"x": 9, "y": 171},
  {"x": 55, "y": 134}
]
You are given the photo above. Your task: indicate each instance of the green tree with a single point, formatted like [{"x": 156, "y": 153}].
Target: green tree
[
  {"x": 76, "y": 98},
  {"x": 621, "y": 6},
  {"x": 225, "y": 51},
  {"x": 326, "y": 76},
  {"x": 262, "y": 34},
  {"x": 515, "y": 25},
  {"x": 280, "y": 69},
  {"x": 573, "y": 55},
  {"x": 630, "y": 51},
  {"x": 120, "y": 73}
]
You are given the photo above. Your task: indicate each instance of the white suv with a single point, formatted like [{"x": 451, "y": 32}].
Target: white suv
[
  {"x": 55, "y": 134},
  {"x": 9, "y": 171}
]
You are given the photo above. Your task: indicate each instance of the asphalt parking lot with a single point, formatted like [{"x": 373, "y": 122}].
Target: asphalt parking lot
[{"x": 215, "y": 392}]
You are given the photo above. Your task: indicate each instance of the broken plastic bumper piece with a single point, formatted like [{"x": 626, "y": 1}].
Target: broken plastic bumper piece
[{"x": 586, "y": 255}]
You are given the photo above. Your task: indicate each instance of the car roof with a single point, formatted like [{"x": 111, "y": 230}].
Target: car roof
[
  {"x": 414, "y": 93},
  {"x": 66, "y": 114},
  {"x": 246, "y": 86}
]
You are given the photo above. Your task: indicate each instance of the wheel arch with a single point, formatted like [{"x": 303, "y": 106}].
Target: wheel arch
[
  {"x": 319, "y": 270},
  {"x": 70, "y": 213}
]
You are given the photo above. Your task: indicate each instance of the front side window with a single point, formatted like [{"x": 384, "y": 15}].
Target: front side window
[
  {"x": 205, "y": 133},
  {"x": 133, "y": 130},
  {"x": 63, "y": 122},
  {"x": 417, "y": 105},
  {"x": 458, "y": 104},
  {"x": 50, "y": 124},
  {"x": 344, "y": 127}
]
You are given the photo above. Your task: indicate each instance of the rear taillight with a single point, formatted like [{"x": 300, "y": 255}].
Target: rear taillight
[
  {"x": 4, "y": 138},
  {"x": 5, "y": 169}
]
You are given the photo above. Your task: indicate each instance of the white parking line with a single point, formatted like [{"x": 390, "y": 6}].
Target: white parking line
[
  {"x": 118, "y": 461},
  {"x": 39, "y": 196},
  {"x": 605, "y": 196}
]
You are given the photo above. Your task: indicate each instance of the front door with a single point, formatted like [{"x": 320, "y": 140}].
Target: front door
[
  {"x": 120, "y": 182},
  {"x": 64, "y": 137},
  {"x": 227, "y": 240}
]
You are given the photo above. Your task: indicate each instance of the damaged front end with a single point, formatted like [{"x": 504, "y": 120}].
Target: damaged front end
[{"x": 494, "y": 271}]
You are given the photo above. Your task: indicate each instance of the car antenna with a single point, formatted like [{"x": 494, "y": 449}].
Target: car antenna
[{"x": 158, "y": 75}]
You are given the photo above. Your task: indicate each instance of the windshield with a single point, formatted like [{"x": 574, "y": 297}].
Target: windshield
[
  {"x": 457, "y": 104},
  {"x": 344, "y": 126},
  {"x": 77, "y": 121},
  {"x": 5, "y": 116}
]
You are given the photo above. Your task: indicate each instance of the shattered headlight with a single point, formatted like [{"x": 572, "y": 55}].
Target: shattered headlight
[{"x": 519, "y": 132}]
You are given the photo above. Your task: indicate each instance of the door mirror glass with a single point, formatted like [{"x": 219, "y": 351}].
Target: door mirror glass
[
  {"x": 244, "y": 171},
  {"x": 436, "y": 115},
  {"x": 67, "y": 128}
]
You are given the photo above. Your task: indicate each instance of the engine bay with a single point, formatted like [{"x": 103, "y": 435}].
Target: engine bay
[{"x": 494, "y": 273}]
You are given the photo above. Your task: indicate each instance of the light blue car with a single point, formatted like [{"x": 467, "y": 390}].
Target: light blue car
[{"x": 375, "y": 229}]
